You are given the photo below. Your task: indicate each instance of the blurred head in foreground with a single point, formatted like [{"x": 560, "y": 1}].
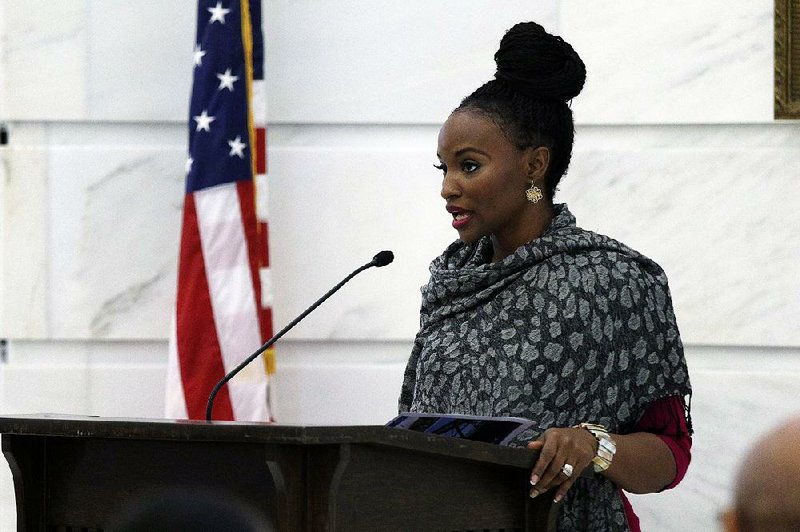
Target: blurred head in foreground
[
  {"x": 767, "y": 491},
  {"x": 189, "y": 510}
]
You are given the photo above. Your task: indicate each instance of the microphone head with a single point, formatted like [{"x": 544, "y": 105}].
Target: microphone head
[{"x": 383, "y": 258}]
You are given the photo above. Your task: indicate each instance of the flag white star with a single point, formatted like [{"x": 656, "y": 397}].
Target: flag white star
[
  {"x": 204, "y": 121},
  {"x": 226, "y": 80},
  {"x": 198, "y": 55},
  {"x": 237, "y": 147},
  {"x": 218, "y": 13},
  {"x": 189, "y": 163}
]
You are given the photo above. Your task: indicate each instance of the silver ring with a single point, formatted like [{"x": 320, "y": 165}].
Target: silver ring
[{"x": 567, "y": 470}]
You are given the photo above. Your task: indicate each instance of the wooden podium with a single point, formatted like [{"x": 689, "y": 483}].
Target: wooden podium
[{"x": 78, "y": 473}]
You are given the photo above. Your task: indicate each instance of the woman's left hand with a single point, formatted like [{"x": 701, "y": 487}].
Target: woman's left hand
[{"x": 559, "y": 447}]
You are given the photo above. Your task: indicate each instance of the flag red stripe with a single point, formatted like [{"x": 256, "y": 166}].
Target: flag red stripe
[
  {"x": 261, "y": 150},
  {"x": 198, "y": 346},
  {"x": 264, "y": 234}
]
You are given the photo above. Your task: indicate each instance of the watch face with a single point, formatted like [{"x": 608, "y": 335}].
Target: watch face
[
  {"x": 606, "y": 448},
  {"x": 605, "y": 451}
]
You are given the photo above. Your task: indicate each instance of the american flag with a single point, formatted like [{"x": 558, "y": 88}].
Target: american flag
[{"x": 223, "y": 306}]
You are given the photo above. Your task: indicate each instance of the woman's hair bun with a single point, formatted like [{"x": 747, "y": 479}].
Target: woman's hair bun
[{"x": 538, "y": 64}]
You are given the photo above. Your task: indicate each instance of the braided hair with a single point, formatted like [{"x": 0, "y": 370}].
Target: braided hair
[{"x": 537, "y": 75}]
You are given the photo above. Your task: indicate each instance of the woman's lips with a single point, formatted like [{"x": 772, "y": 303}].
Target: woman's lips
[{"x": 460, "y": 217}]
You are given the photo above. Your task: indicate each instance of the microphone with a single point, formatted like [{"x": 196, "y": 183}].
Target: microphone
[
  {"x": 379, "y": 260},
  {"x": 383, "y": 258}
]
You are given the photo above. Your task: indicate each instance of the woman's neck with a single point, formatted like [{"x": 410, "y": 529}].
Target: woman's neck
[{"x": 533, "y": 226}]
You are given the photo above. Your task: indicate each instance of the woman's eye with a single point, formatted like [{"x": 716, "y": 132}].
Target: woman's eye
[
  {"x": 469, "y": 166},
  {"x": 441, "y": 167}
]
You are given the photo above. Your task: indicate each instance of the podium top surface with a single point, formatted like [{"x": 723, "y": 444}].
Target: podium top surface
[{"x": 62, "y": 425}]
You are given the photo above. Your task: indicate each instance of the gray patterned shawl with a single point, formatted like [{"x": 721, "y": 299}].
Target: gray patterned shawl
[{"x": 573, "y": 327}]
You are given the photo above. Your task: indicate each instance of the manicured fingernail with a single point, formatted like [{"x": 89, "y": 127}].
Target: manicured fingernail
[
  {"x": 558, "y": 499},
  {"x": 534, "y": 493},
  {"x": 534, "y": 480}
]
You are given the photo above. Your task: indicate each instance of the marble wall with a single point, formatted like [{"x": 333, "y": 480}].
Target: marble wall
[{"x": 676, "y": 154}]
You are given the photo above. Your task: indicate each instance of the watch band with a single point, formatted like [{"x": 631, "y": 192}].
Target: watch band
[{"x": 606, "y": 448}]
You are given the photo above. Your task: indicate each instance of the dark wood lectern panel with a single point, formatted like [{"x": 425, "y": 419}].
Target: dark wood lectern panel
[
  {"x": 381, "y": 485},
  {"x": 81, "y": 472},
  {"x": 91, "y": 481}
]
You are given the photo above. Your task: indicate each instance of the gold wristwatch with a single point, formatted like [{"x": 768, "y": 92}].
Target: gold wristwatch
[{"x": 606, "y": 448}]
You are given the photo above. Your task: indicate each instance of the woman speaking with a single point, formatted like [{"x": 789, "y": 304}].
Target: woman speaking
[{"x": 529, "y": 315}]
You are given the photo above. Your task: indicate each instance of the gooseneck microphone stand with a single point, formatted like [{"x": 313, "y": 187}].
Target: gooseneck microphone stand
[{"x": 381, "y": 259}]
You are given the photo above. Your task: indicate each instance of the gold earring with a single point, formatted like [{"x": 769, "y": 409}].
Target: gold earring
[{"x": 534, "y": 193}]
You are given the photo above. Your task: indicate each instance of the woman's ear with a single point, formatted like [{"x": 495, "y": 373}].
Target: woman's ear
[{"x": 538, "y": 162}]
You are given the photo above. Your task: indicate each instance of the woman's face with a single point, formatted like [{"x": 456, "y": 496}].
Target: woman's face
[{"x": 485, "y": 178}]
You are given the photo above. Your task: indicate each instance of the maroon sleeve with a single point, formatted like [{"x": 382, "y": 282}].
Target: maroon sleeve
[{"x": 666, "y": 419}]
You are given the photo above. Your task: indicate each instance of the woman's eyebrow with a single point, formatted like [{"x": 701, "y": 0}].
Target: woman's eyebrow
[{"x": 462, "y": 151}]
